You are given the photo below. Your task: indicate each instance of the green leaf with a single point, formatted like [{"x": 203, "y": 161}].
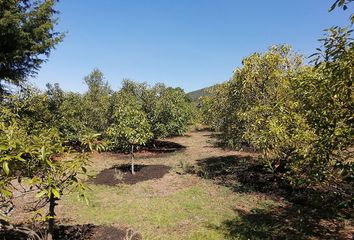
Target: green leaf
[
  {"x": 333, "y": 6},
  {"x": 19, "y": 157},
  {"x": 55, "y": 193},
  {"x": 3, "y": 148},
  {"x": 5, "y": 167},
  {"x": 43, "y": 152},
  {"x": 41, "y": 193},
  {"x": 6, "y": 193}
]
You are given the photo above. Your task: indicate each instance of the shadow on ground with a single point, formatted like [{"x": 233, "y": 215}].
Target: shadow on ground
[
  {"x": 75, "y": 232},
  {"x": 290, "y": 222},
  {"x": 162, "y": 146},
  {"x": 307, "y": 213},
  {"x": 217, "y": 140}
]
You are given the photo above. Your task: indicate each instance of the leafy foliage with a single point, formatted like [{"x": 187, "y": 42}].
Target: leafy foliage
[
  {"x": 27, "y": 37},
  {"x": 36, "y": 161},
  {"x": 130, "y": 125},
  {"x": 44, "y": 135},
  {"x": 299, "y": 117},
  {"x": 96, "y": 101},
  {"x": 327, "y": 99},
  {"x": 171, "y": 111},
  {"x": 342, "y": 4}
]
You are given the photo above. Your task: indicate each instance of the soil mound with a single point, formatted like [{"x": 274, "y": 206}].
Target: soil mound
[
  {"x": 122, "y": 174},
  {"x": 80, "y": 232},
  {"x": 159, "y": 146}
]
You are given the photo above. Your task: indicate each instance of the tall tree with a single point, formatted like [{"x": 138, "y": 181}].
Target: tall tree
[
  {"x": 26, "y": 38},
  {"x": 97, "y": 100}
]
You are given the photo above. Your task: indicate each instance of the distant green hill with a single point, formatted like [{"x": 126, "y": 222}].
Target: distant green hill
[{"x": 195, "y": 95}]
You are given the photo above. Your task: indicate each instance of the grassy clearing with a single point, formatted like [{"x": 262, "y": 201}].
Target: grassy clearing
[
  {"x": 189, "y": 207},
  {"x": 194, "y": 212}
]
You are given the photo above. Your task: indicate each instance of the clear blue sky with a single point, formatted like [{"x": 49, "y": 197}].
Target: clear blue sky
[{"x": 186, "y": 43}]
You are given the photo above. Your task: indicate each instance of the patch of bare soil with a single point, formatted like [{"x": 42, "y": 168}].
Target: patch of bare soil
[
  {"x": 122, "y": 174},
  {"x": 79, "y": 232},
  {"x": 171, "y": 183}
]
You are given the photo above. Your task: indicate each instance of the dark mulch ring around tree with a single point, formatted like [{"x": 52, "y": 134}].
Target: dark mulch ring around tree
[
  {"x": 79, "y": 232},
  {"x": 160, "y": 146},
  {"x": 122, "y": 174},
  {"x": 152, "y": 149}
]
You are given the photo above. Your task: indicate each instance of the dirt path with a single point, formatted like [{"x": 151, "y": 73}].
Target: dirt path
[{"x": 198, "y": 146}]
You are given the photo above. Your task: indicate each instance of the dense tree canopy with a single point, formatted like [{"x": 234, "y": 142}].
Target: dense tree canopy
[
  {"x": 299, "y": 117},
  {"x": 129, "y": 123},
  {"x": 96, "y": 101},
  {"x": 26, "y": 38},
  {"x": 39, "y": 127}
]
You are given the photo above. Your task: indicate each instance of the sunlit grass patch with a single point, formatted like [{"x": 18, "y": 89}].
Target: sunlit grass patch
[{"x": 185, "y": 214}]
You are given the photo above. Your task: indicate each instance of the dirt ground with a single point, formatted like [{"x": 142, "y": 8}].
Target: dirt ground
[{"x": 201, "y": 191}]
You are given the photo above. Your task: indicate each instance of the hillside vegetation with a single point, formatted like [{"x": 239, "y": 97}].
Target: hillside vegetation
[{"x": 195, "y": 95}]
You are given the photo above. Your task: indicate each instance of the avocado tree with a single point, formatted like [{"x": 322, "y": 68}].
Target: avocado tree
[
  {"x": 326, "y": 96},
  {"x": 299, "y": 117},
  {"x": 211, "y": 104},
  {"x": 266, "y": 109},
  {"x": 170, "y": 111},
  {"x": 37, "y": 161},
  {"x": 96, "y": 102},
  {"x": 129, "y": 125}
]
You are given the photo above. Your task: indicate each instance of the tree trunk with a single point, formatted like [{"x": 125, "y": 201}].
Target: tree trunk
[
  {"x": 51, "y": 215},
  {"x": 132, "y": 156}
]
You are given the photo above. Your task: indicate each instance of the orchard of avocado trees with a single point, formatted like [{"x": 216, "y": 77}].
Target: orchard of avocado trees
[
  {"x": 39, "y": 128},
  {"x": 298, "y": 117}
]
